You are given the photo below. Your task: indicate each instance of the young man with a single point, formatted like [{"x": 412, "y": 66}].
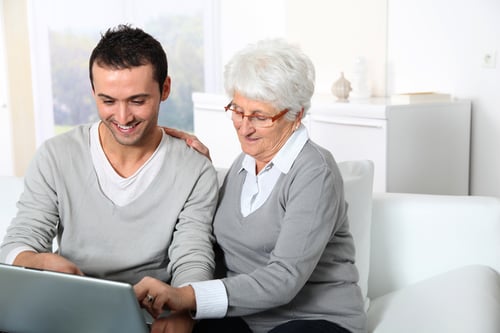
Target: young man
[{"x": 124, "y": 199}]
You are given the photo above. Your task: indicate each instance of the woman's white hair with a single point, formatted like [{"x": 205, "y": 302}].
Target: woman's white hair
[{"x": 272, "y": 71}]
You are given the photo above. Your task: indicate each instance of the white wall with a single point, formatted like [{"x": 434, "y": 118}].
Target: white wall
[
  {"x": 243, "y": 22},
  {"x": 335, "y": 32},
  {"x": 438, "y": 46},
  {"x": 19, "y": 78},
  {"x": 6, "y": 156}
]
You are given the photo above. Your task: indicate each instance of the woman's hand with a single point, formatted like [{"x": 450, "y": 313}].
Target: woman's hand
[
  {"x": 191, "y": 140},
  {"x": 156, "y": 296},
  {"x": 178, "y": 322}
]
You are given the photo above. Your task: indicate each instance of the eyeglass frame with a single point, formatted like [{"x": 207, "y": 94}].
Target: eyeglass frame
[{"x": 250, "y": 116}]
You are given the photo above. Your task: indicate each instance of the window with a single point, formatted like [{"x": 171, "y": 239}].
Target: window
[{"x": 64, "y": 33}]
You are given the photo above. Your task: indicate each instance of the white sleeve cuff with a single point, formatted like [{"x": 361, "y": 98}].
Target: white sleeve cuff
[
  {"x": 11, "y": 256},
  {"x": 211, "y": 299}
]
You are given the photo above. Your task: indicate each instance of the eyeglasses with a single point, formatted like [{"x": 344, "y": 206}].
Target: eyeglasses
[{"x": 257, "y": 120}]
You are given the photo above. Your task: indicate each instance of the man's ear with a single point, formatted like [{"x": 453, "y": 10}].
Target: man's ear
[{"x": 166, "y": 89}]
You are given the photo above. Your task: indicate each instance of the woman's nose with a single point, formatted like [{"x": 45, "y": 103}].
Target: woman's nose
[{"x": 246, "y": 126}]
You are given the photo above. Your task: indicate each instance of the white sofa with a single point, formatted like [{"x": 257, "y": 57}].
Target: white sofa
[
  {"x": 10, "y": 190},
  {"x": 434, "y": 264},
  {"x": 428, "y": 263}
]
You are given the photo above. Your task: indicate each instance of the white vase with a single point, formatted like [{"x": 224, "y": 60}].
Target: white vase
[{"x": 341, "y": 88}]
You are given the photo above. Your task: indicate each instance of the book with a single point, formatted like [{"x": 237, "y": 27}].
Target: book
[{"x": 420, "y": 97}]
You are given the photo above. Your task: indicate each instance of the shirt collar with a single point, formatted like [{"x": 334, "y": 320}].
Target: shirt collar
[{"x": 285, "y": 156}]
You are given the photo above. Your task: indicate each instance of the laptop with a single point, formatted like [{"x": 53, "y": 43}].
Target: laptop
[{"x": 36, "y": 301}]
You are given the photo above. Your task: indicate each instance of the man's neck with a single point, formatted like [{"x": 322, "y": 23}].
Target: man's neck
[{"x": 126, "y": 160}]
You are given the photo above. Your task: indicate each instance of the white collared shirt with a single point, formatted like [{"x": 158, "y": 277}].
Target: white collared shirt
[{"x": 257, "y": 188}]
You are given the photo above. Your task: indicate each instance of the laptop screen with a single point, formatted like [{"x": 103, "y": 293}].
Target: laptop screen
[{"x": 35, "y": 301}]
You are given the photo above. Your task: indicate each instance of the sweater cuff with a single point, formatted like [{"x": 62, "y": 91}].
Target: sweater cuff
[
  {"x": 11, "y": 256},
  {"x": 211, "y": 299}
]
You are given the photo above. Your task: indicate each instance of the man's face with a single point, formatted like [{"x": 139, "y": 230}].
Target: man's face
[{"x": 128, "y": 102}]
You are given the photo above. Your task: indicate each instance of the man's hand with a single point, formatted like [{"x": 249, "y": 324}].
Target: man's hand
[
  {"x": 46, "y": 261},
  {"x": 191, "y": 140}
]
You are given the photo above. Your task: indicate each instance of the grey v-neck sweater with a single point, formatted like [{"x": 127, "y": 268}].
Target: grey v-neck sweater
[
  {"x": 292, "y": 258},
  {"x": 165, "y": 233}
]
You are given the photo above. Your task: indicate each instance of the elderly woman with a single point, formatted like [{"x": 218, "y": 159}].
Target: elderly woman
[{"x": 281, "y": 221}]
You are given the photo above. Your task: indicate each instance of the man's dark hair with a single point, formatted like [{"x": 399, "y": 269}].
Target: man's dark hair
[{"x": 126, "y": 47}]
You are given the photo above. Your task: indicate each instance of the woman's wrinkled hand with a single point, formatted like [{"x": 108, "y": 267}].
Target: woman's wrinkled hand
[
  {"x": 191, "y": 140},
  {"x": 177, "y": 322},
  {"x": 156, "y": 296}
]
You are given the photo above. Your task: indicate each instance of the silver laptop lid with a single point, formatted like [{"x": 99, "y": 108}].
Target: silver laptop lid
[{"x": 34, "y": 301}]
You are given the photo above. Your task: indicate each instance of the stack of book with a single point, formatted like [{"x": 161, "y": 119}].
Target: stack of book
[{"x": 420, "y": 97}]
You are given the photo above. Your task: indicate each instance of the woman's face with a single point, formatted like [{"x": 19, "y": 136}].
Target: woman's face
[{"x": 261, "y": 143}]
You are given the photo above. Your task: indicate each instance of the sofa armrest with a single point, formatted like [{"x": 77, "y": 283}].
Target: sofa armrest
[
  {"x": 10, "y": 189},
  {"x": 416, "y": 236},
  {"x": 462, "y": 300}
]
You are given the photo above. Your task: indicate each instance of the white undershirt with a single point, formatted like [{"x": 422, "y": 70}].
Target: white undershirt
[
  {"x": 211, "y": 296},
  {"x": 118, "y": 189}
]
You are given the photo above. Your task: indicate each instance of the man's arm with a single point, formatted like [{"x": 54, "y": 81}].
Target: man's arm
[
  {"x": 191, "y": 251},
  {"x": 29, "y": 238},
  {"x": 46, "y": 261}
]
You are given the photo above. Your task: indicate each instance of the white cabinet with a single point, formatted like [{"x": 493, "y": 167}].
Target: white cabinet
[{"x": 416, "y": 148}]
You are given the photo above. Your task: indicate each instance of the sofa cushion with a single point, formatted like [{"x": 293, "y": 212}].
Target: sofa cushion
[
  {"x": 463, "y": 300},
  {"x": 11, "y": 188},
  {"x": 358, "y": 187}
]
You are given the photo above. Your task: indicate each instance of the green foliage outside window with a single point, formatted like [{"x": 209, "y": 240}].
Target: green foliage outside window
[{"x": 182, "y": 38}]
